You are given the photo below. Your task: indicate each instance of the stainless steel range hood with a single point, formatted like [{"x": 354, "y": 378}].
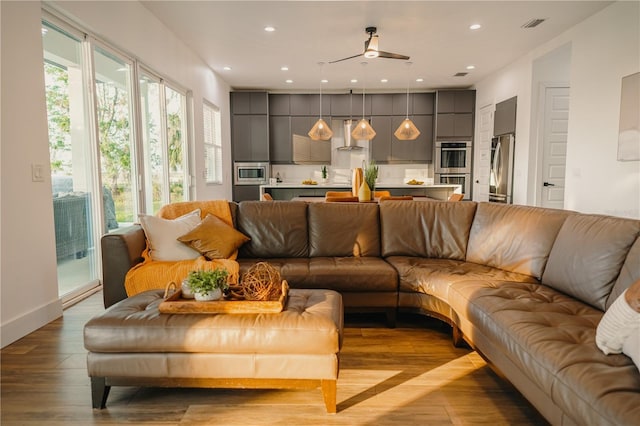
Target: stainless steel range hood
[{"x": 349, "y": 143}]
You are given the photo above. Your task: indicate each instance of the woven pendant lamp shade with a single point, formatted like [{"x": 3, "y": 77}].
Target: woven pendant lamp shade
[
  {"x": 320, "y": 131},
  {"x": 363, "y": 131},
  {"x": 407, "y": 131}
]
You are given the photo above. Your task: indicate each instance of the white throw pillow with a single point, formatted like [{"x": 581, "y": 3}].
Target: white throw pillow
[
  {"x": 619, "y": 330},
  {"x": 162, "y": 235}
]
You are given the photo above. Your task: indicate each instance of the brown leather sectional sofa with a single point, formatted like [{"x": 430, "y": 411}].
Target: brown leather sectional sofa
[{"x": 525, "y": 286}]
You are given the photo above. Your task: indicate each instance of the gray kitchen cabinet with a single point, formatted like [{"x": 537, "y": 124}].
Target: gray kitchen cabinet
[
  {"x": 424, "y": 103},
  {"x": 381, "y": 145},
  {"x": 246, "y": 193},
  {"x": 381, "y": 104},
  {"x": 249, "y": 103},
  {"x": 454, "y": 126},
  {"x": 314, "y": 106},
  {"x": 347, "y": 105},
  {"x": 250, "y": 138},
  {"x": 339, "y": 106},
  {"x": 280, "y": 151},
  {"x": 302, "y": 125},
  {"x": 419, "y": 150},
  {"x": 399, "y": 104},
  {"x": 505, "y": 117},
  {"x": 299, "y": 104},
  {"x": 456, "y": 101},
  {"x": 279, "y": 104}
]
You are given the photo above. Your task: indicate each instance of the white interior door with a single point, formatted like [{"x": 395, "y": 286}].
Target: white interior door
[
  {"x": 554, "y": 157},
  {"x": 482, "y": 153}
]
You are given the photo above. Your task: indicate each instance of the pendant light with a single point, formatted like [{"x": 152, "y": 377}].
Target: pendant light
[
  {"x": 321, "y": 130},
  {"x": 363, "y": 130},
  {"x": 407, "y": 131}
]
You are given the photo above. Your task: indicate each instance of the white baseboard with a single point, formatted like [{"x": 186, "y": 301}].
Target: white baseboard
[{"x": 19, "y": 327}]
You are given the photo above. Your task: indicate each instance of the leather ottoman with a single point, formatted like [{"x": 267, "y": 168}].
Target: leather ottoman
[{"x": 133, "y": 344}]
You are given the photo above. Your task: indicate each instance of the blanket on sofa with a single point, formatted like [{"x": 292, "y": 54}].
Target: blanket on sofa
[{"x": 152, "y": 274}]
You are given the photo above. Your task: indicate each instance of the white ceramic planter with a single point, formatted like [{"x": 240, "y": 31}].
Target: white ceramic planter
[
  {"x": 186, "y": 290},
  {"x": 212, "y": 295}
]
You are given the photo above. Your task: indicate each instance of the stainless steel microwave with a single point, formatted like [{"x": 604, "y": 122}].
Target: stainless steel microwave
[{"x": 251, "y": 173}]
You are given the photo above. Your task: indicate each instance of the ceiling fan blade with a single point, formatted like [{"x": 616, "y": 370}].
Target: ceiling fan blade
[
  {"x": 344, "y": 59},
  {"x": 390, "y": 55}
]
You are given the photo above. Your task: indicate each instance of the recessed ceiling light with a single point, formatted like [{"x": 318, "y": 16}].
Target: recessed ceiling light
[
  {"x": 269, "y": 29},
  {"x": 289, "y": 81},
  {"x": 324, "y": 81},
  {"x": 475, "y": 26},
  {"x": 384, "y": 80},
  {"x": 285, "y": 68},
  {"x": 471, "y": 67},
  {"x": 353, "y": 80},
  {"x": 419, "y": 80},
  {"x": 227, "y": 68}
]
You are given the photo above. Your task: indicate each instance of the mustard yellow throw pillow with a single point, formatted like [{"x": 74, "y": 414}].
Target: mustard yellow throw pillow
[{"x": 214, "y": 239}]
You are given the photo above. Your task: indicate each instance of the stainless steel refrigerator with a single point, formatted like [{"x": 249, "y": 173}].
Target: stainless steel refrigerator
[{"x": 501, "y": 174}]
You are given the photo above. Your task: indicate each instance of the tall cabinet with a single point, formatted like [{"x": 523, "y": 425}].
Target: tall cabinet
[{"x": 249, "y": 135}]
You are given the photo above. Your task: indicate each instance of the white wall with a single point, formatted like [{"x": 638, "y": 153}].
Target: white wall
[
  {"x": 28, "y": 278},
  {"x": 28, "y": 287},
  {"x": 604, "y": 48}
]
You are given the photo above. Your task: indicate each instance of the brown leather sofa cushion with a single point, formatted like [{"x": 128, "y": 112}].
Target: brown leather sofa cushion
[
  {"x": 276, "y": 229},
  {"x": 514, "y": 238},
  {"x": 629, "y": 273},
  {"x": 344, "y": 229},
  {"x": 427, "y": 229},
  {"x": 343, "y": 274},
  {"x": 587, "y": 256},
  {"x": 434, "y": 276}
]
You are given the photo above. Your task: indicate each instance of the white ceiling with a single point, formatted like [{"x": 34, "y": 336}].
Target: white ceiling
[{"x": 435, "y": 34}]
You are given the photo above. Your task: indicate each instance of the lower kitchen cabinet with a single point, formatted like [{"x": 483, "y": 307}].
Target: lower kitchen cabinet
[{"x": 246, "y": 193}]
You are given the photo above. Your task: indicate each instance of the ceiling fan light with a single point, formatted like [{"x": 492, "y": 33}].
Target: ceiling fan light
[
  {"x": 363, "y": 131},
  {"x": 407, "y": 131},
  {"x": 320, "y": 131},
  {"x": 370, "y": 54}
]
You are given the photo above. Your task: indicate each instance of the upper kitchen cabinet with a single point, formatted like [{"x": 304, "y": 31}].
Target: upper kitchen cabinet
[
  {"x": 504, "y": 119},
  {"x": 250, "y": 137},
  {"x": 399, "y": 106},
  {"x": 314, "y": 106},
  {"x": 423, "y": 103},
  {"x": 349, "y": 106},
  {"x": 299, "y": 104},
  {"x": 456, "y": 101},
  {"x": 279, "y": 104},
  {"x": 454, "y": 126},
  {"x": 249, "y": 103},
  {"x": 381, "y": 104},
  {"x": 280, "y": 140}
]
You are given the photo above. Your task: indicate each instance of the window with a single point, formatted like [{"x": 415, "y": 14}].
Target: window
[
  {"x": 176, "y": 107},
  {"x": 212, "y": 144}
]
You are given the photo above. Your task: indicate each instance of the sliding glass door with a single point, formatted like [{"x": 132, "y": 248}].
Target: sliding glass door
[{"x": 70, "y": 151}]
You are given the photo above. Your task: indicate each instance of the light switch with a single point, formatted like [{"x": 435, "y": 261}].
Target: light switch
[{"x": 37, "y": 173}]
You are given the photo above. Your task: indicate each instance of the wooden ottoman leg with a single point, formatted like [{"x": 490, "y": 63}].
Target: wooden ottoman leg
[
  {"x": 329, "y": 392},
  {"x": 99, "y": 392}
]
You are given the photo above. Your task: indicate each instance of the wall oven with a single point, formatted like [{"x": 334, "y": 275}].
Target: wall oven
[
  {"x": 462, "y": 179},
  {"x": 453, "y": 157},
  {"x": 251, "y": 173}
]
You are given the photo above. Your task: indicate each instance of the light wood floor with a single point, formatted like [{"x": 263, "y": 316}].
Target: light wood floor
[{"x": 411, "y": 375}]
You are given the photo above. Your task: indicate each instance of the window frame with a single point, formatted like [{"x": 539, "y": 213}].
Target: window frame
[{"x": 215, "y": 145}]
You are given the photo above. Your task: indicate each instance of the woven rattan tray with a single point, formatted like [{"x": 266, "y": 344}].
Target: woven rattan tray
[{"x": 176, "y": 304}]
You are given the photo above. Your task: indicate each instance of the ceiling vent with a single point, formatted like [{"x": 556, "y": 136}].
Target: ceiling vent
[
  {"x": 533, "y": 23},
  {"x": 460, "y": 74}
]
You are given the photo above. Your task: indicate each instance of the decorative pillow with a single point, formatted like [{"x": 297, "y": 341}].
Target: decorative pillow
[
  {"x": 214, "y": 239},
  {"x": 162, "y": 236},
  {"x": 619, "y": 329}
]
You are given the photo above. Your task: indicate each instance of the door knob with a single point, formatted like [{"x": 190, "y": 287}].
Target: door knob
[{"x": 548, "y": 184}]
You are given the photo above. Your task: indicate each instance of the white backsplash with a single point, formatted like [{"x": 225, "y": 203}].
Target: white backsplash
[{"x": 387, "y": 173}]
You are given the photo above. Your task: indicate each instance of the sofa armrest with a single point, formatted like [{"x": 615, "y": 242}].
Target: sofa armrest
[{"x": 121, "y": 251}]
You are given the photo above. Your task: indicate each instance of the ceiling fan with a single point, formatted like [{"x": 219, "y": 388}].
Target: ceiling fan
[{"x": 371, "y": 49}]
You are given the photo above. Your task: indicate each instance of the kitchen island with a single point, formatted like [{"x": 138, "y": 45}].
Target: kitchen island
[{"x": 290, "y": 190}]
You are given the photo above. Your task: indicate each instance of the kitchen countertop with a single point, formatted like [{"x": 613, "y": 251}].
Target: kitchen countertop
[{"x": 348, "y": 185}]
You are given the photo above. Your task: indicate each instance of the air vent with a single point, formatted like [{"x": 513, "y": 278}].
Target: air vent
[
  {"x": 460, "y": 74},
  {"x": 533, "y": 23}
]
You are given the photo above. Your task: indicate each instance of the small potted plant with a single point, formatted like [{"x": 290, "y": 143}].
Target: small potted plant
[
  {"x": 324, "y": 174},
  {"x": 208, "y": 285}
]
